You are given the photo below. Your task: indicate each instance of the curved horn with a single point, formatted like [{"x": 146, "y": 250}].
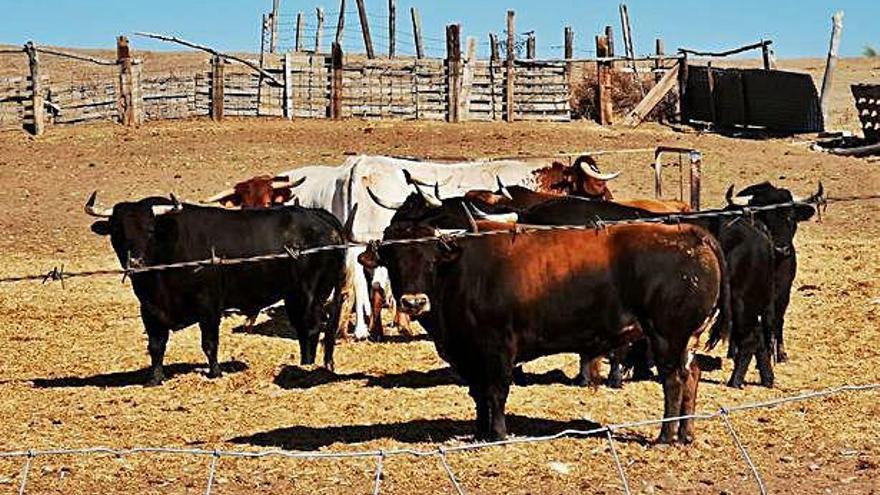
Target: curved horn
[
  {"x": 381, "y": 203},
  {"x": 470, "y": 218},
  {"x": 174, "y": 207},
  {"x": 502, "y": 189},
  {"x": 218, "y": 197},
  {"x": 284, "y": 181},
  {"x": 585, "y": 168},
  {"x": 437, "y": 190},
  {"x": 729, "y": 195},
  {"x": 498, "y": 217},
  {"x": 95, "y": 212},
  {"x": 430, "y": 199},
  {"x": 736, "y": 200}
]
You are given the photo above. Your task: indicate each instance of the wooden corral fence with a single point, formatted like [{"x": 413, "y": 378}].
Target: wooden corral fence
[{"x": 313, "y": 84}]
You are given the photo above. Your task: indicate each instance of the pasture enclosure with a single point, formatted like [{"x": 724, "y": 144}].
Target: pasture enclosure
[{"x": 76, "y": 353}]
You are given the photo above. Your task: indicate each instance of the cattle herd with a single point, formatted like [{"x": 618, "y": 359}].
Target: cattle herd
[{"x": 642, "y": 294}]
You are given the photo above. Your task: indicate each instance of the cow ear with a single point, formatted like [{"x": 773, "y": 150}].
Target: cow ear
[
  {"x": 101, "y": 227},
  {"x": 369, "y": 259},
  {"x": 802, "y": 213}
]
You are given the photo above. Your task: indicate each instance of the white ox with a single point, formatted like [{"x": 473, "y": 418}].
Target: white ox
[{"x": 338, "y": 189}]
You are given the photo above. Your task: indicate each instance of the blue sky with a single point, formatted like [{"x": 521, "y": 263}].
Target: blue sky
[{"x": 798, "y": 28}]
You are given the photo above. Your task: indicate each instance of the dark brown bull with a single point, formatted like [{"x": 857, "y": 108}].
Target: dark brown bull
[{"x": 492, "y": 302}]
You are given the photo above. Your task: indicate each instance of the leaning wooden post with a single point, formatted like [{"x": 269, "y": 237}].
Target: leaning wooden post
[
  {"x": 510, "y": 77},
  {"x": 453, "y": 71},
  {"x": 297, "y": 42},
  {"x": 603, "y": 82},
  {"x": 128, "y": 101},
  {"x": 837, "y": 28},
  {"x": 417, "y": 32},
  {"x": 365, "y": 29},
  {"x": 392, "y": 27},
  {"x": 217, "y": 67},
  {"x": 530, "y": 46},
  {"x": 320, "y": 30},
  {"x": 340, "y": 23},
  {"x": 336, "y": 82},
  {"x": 39, "y": 112}
]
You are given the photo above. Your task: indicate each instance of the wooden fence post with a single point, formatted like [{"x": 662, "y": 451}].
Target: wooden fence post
[
  {"x": 467, "y": 80},
  {"x": 297, "y": 42},
  {"x": 39, "y": 112},
  {"x": 510, "y": 77},
  {"x": 569, "y": 55},
  {"x": 417, "y": 32},
  {"x": 711, "y": 79},
  {"x": 495, "y": 53},
  {"x": 765, "y": 55},
  {"x": 682, "y": 86},
  {"x": 392, "y": 27},
  {"x": 288, "y": 90},
  {"x": 530, "y": 46},
  {"x": 340, "y": 24},
  {"x": 320, "y": 29},
  {"x": 276, "y": 6},
  {"x": 453, "y": 71},
  {"x": 827, "y": 79},
  {"x": 365, "y": 29},
  {"x": 660, "y": 51},
  {"x": 609, "y": 35},
  {"x": 336, "y": 82},
  {"x": 129, "y": 113},
  {"x": 217, "y": 79},
  {"x": 604, "y": 83}
]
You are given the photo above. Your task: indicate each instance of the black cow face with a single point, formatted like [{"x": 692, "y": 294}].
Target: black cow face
[
  {"x": 782, "y": 222},
  {"x": 412, "y": 268},
  {"x": 132, "y": 228}
]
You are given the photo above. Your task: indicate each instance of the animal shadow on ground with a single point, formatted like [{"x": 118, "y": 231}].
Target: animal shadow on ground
[
  {"x": 129, "y": 378},
  {"x": 296, "y": 378},
  {"x": 307, "y": 438},
  {"x": 276, "y": 326}
]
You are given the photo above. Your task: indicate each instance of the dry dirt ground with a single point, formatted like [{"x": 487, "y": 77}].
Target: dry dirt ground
[{"x": 73, "y": 358}]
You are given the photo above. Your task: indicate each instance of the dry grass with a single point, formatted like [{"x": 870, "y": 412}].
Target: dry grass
[{"x": 70, "y": 372}]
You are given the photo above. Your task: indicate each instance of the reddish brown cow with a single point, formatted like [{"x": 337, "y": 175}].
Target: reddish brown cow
[{"x": 262, "y": 191}]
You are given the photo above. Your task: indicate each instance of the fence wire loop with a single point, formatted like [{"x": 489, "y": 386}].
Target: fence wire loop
[
  {"x": 54, "y": 274},
  {"x": 724, "y": 413},
  {"x": 620, "y": 472},
  {"x": 377, "y": 480},
  {"x": 294, "y": 255}
]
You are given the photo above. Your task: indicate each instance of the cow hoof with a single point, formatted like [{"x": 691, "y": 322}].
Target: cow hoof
[
  {"x": 580, "y": 381},
  {"x": 781, "y": 357},
  {"x": 153, "y": 382},
  {"x": 666, "y": 439},
  {"x": 614, "y": 383},
  {"x": 735, "y": 384},
  {"x": 685, "y": 438},
  {"x": 214, "y": 373},
  {"x": 331, "y": 367},
  {"x": 767, "y": 383}
]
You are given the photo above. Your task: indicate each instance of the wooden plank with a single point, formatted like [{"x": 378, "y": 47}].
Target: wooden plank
[
  {"x": 392, "y": 27},
  {"x": 37, "y": 111},
  {"x": 319, "y": 32},
  {"x": 467, "y": 78},
  {"x": 655, "y": 96},
  {"x": 337, "y": 82},
  {"x": 298, "y": 37},
  {"x": 453, "y": 62},
  {"x": 288, "y": 92},
  {"x": 217, "y": 88}
]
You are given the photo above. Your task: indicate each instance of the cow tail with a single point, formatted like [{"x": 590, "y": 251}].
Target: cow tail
[{"x": 721, "y": 327}]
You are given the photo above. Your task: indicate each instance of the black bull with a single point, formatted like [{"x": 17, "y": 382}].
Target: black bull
[
  {"x": 156, "y": 231},
  {"x": 492, "y": 302}
]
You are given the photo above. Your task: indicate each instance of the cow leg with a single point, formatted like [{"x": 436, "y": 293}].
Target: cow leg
[
  {"x": 615, "y": 372},
  {"x": 482, "y": 405},
  {"x": 589, "y": 371},
  {"x": 782, "y": 300},
  {"x": 210, "y": 328},
  {"x": 674, "y": 380},
  {"x": 497, "y": 400},
  {"x": 689, "y": 403},
  {"x": 764, "y": 356},
  {"x": 641, "y": 360},
  {"x": 300, "y": 311},
  {"x": 330, "y": 328},
  {"x": 157, "y": 336}
]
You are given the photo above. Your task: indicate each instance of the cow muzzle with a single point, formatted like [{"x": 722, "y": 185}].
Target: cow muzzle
[{"x": 415, "y": 304}]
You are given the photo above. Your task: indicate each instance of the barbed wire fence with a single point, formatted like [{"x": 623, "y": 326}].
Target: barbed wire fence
[
  {"x": 722, "y": 414},
  {"x": 58, "y": 273}
]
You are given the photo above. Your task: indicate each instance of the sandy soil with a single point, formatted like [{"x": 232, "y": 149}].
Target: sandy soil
[{"x": 74, "y": 357}]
